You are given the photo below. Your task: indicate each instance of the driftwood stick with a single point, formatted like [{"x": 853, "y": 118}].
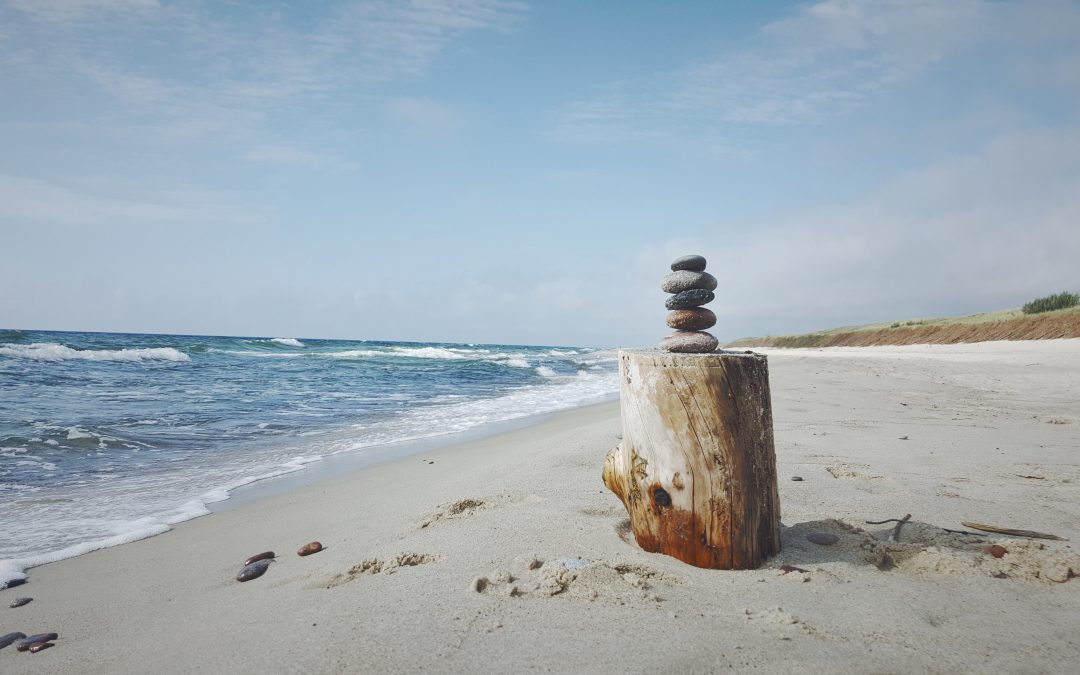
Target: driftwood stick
[
  {"x": 970, "y": 534},
  {"x": 1015, "y": 533},
  {"x": 895, "y": 536}
]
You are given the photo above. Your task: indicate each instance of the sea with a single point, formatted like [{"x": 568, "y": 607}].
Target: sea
[{"x": 106, "y": 438}]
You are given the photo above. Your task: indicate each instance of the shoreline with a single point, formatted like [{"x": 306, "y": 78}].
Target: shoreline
[
  {"x": 430, "y": 567},
  {"x": 308, "y": 472}
]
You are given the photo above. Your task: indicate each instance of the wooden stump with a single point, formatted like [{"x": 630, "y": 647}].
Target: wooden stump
[{"x": 696, "y": 468}]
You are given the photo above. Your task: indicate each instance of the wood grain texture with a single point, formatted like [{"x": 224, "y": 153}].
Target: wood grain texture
[{"x": 696, "y": 468}]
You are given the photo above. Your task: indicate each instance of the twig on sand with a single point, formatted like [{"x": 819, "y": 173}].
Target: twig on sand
[
  {"x": 1015, "y": 533},
  {"x": 895, "y": 536},
  {"x": 970, "y": 534}
]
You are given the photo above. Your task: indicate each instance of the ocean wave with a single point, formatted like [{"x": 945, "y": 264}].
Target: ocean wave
[
  {"x": 544, "y": 371},
  {"x": 431, "y": 353},
  {"x": 288, "y": 342},
  {"x": 48, "y": 351}
]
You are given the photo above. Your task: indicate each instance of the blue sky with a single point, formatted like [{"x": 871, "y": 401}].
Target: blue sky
[{"x": 504, "y": 171}]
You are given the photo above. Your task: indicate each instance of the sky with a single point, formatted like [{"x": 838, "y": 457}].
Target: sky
[{"x": 503, "y": 171}]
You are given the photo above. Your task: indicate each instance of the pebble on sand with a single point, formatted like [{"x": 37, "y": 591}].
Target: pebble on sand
[
  {"x": 822, "y": 538},
  {"x": 308, "y": 549},
  {"x": 265, "y": 555},
  {"x": 682, "y": 280},
  {"x": 38, "y": 646},
  {"x": 19, "y": 602},
  {"x": 996, "y": 550},
  {"x": 692, "y": 263},
  {"x": 254, "y": 570},
  {"x": 26, "y": 643},
  {"x": 689, "y": 342},
  {"x": 698, "y": 318},
  {"x": 796, "y": 478},
  {"x": 5, "y": 640},
  {"x": 695, "y": 297}
]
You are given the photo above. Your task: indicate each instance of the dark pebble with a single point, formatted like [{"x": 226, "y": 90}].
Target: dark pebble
[
  {"x": 308, "y": 549},
  {"x": 822, "y": 538},
  {"x": 796, "y": 478},
  {"x": 38, "y": 646},
  {"x": 682, "y": 280},
  {"x": 997, "y": 551},
  {"x": 5, "y": 640},
  {"x": 265, "y": 555},
  {"x": 697, "y": 318},
  {"x": 19, "y": 602},
  {"x": 25, "y": 643},
  {"x": 692, "y": 263},
  {"x": 695, "y": 297},
  {"x": 254, "y": 570},
  {"x": 12, "y": 583},
  {"x": 689, "y": 342}
]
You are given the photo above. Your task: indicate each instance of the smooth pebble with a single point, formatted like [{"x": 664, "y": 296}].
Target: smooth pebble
[
  {"x": 822, "y": 538},
  {"x": 19, "y": 602},
  {"x": 5, "y": 640},
  {"x": 254, "y": 570},
  {"x": 689, "y": 342},
  {"x": 265, "y": 555},
  {"x": 698, "y": 318},
  {"x": 692, "y": 263},
  {"x": 26, "y": 642},
  {"x": 308, "y": 549},
  {"x": 683, "y": 280},
  {"x": 695, "y": 297},
  {"x": 796, "y": 478}
]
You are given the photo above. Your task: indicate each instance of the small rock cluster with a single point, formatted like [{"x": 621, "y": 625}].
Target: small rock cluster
[{"x": 691, "y": 287}]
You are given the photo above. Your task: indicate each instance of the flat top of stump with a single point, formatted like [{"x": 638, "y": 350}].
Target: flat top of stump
[{"x": 677, "y": 358}]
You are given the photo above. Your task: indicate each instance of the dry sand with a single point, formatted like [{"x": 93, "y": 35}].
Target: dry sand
[{"x": 508, "y": 555}]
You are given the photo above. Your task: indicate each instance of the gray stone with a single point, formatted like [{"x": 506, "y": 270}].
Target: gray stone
[
  {"x": 697, "y": 318},
  {"x": 19, "y": 602},
  {"x": 695, "y": 297},
  {"x": 5, "y": 640},
  {"x": 683, "y": 280},
  {"x": 689, "y": 342},
  {"x": 822, "y": 538},
  {"x": 796, "y": 478},
  {"x": 693, "y": 263},
  {"x": 254, "y": 570}
]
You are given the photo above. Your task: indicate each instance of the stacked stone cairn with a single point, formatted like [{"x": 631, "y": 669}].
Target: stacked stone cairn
[{"x": 691, "y": 287}]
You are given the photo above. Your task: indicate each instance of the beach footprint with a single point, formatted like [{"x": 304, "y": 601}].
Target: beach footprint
[{"x": 373, "y": 566}]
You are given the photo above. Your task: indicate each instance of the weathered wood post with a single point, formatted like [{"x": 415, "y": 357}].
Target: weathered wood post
[{"x": 696, "y": 468}]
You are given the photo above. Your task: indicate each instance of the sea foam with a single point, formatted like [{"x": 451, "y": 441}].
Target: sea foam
[{"x": 48, "y": 351}]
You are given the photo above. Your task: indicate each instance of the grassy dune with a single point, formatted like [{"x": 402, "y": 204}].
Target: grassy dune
[{"x": 1009, "y": 324}]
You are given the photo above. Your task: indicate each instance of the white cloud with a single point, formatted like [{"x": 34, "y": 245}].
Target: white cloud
[
  {"x": 822, "y": 61},
  {"x": 971, "y": 233}
]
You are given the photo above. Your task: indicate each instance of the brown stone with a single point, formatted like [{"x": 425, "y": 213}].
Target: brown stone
[
  {"x": 997, "y": 551},
  {"x": 822, "y": 538},
  {"x": 265, "y": 555},
  {"x": 698, "y": 318},
  {"x": 689, "y": 342},
  {"x": 38, "y": 646},
  {"x": 308, "y": 549}
]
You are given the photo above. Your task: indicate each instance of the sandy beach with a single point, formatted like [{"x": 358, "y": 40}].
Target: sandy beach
[{"x": 507, "y": 554}]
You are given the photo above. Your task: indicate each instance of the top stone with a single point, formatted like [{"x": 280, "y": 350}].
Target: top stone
[{"x": 691, "y": 263}]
